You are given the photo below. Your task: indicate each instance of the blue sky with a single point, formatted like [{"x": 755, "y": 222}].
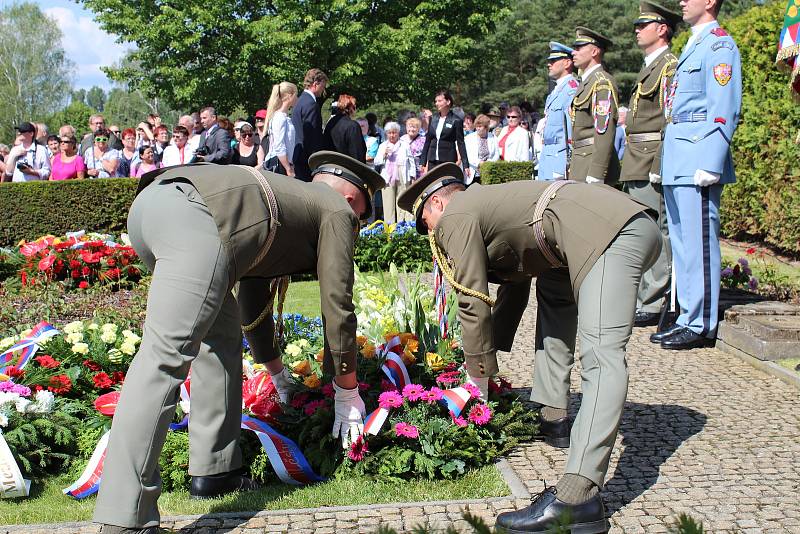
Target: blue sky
[{"x": 85, "y": 43}]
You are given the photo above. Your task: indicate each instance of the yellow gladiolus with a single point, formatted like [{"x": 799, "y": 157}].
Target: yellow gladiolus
[
  {"x": 408, "y": 358},
  {"x": 434, "y": 361},
  {"x": 312, "y": 381}
]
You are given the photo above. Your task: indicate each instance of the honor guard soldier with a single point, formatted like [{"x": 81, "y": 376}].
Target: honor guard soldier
[
  {"x": 641, "y": 165},
  {"x": 594, "y": 113},
  {"x": 557, "y": 120},
  {"x": 702, "y": 110},
  {"x": 588, "y": 245},
  {"x": 200, "y": 229}
]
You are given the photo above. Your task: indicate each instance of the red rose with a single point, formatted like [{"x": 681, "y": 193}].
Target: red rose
[
  {"x": 84, "y": 284},
  {"x": 60, "y": 384},
  {"x": 751, "y": 250},
  {"x": 112, "y": 274},
  {"x": 92, "y": 366},
  {"x": 102, "y": 381},
  {"x": 47, "y": 361},
  {"x": 261, "y": 397},
  {"x": 118, "y": 377},
  {"x": 13, "y": 372}
]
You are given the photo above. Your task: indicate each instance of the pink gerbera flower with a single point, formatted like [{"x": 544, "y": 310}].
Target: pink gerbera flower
[
  {"x": 434, "y": 395},
  {"x": 358, "y": 449},
  {"x": 386, "y": 385},
  {"x": 313, "y": 406},
  {"x": 474, "y": 391},
  {"x": 459, "y": 421},
  {"x": 328, "y": 391},
  {"x": 390, "y": 399},
  {"x": 480, "y": 414},
  {"x": 406, "y": 430},
  {"x": 452, "y": 377},
  {"x": 413, "y": 392}
]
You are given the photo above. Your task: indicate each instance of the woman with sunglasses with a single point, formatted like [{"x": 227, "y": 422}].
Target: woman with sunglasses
[
  {"x": 514, "y": 140},
  {"x": 67, "y": 164},
  {"x": 247, "y": 152},
  {"x": 101, "y": 160}
]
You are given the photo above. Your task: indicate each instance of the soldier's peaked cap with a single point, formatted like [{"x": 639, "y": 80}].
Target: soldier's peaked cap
[
  {"x": 414, "y": 198},
  {"x": 584, "y": 36},
  {"x": 559, "y": 51},
  {"x": 360, "y": 175},
  {"x": 652, "y": 12}
]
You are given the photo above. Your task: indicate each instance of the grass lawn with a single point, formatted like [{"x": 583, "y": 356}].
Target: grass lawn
[
  {"x": 49, "y": 505},
  {"x": 303, "y": 298},
  {"x": 790, "y": 364}
]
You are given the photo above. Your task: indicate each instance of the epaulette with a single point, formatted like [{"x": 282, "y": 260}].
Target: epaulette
[{"x": 719, "y": 32}]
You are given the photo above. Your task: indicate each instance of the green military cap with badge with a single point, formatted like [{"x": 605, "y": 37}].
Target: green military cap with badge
[
  {"x": 652, "y": 12},
  {"x": 359, "y": 174},
  {"x": 414, "y": 198},
  {"x": 584, "y": 36}
]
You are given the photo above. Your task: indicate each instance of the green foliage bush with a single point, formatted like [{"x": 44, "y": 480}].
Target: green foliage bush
[
  {"x": 498, "y": 172},
  {"x": 33, "y": 209},
  {"x": 377, "y": 248}
]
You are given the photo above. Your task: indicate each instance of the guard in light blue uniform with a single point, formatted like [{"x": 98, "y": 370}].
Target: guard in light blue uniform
[
  {"x": 702, "y": 108},
  {"x": 557, "y": 123}
]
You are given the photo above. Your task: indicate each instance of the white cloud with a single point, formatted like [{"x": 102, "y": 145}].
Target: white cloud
[{"x": 87, "y": 46}]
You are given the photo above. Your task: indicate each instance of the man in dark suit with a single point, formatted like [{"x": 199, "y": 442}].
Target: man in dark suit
[
  {"x": 307, "y": 120},
  {"x": 215, "y": 140}
]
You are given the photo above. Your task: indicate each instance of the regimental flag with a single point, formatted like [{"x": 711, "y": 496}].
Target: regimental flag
[
  {"x": 396, "y": 371},
  {"x": 89, "y": 481},
  {"x": 285, "y": 456},
  {"x": 26, "y": 347},
  {"x": 374, "y": 421},
  {"x": 455, "y": 399},
  {"x": 789, "y": 46}
]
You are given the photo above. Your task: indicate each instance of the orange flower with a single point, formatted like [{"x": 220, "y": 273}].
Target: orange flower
[
  {"x": 320, "y": 355},
  {"x": 390, "y": 336},
  {"x": 412, "y": 346},
  {"x": 303, "y": 367},
  {"x": 312, "y": 381},
  {"x": 408, "y": 358},
  {"x": 405, "y": 337},
  {"x": 368, "y": 351},
  {"x": 361, "y": 340}
]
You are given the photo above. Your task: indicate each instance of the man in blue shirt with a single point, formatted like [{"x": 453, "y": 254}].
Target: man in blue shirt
[{"x": 557, "y": 122}]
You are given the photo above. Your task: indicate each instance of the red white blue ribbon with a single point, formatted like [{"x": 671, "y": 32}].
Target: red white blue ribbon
[
  {"x": 394, "y": 346},
  {"x": 285, "y": 456},
  {"x": 455, "y": 399},
  {"x": 374, "y": 421},
  {"x": 27, "y": 347},
  {"x": 441, "y": 298},
  {"x": 89, "y": 481},
  {"x": 396, "y": 371}
]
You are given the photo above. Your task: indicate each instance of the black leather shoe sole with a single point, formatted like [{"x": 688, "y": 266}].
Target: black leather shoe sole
[
  {"x": 595, "y": 527},
  {"x": 645, "y": 319}
]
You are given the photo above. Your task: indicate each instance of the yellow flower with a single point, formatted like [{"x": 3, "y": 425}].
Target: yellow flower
[
  {"x": 108, "y": 336},
  {"x": 408, "y": 358},
  {"x": 302, "y": 367},
  {"x": 293, "y": 350},
  {"x": 390, "y": 336},
  {"x": 412, "y": 346},
  {"x": 368, "y": 351},
  {"x": 3, "y": 377},
  {"x": 128, "y": 348},
  {"x": 320, "y": 355},
  {"x": 74, "y": 337},
  {"x": 259, "y": 367},
  {"x": 109, "y": 327},
  {"x": 7, "y": 342},
  {"x": 312, "y": 381},
  {"x": 74, "y": 326},
  {"x": 302, "y": 343},
  {"x": 361, "y": 340},
  {"x": 130, "y": 337},
  {"x": 93, "y": 326},
  {"x": 405, "y": 337},
  {"x": 434, "y": 361},
  {"x": 80, "y": 348}
]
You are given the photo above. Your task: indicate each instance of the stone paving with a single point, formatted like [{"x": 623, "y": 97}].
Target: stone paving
[{"x": 703, "y": 433}]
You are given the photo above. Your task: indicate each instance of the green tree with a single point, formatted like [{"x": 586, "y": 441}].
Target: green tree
[
  {"x": 230, "y": 52},
  {"x": 34, "y": 70},
  {"x": 76, "y": 114},
  {"x": 78, "y": 95},
  {"x": 96, "y": 98},
  {"x": 128, "y": 107}
]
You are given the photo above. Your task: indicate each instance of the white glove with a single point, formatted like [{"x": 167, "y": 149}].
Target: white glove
[
  {"x": 593, "y": 180},
  {"x": 655, "y": 178},
  {"x": 349, "y": 412},
  {"x": 284, "y": 384},
  {"x": 704, "y": 178},
  {"x": 482, "y": 384}
]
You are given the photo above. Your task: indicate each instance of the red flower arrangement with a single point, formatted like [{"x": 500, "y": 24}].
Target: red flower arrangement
[
  {"x": 47, "y": 361},
  {"x": 60, "y": 384},
  {"x": 102, "y": 381}
]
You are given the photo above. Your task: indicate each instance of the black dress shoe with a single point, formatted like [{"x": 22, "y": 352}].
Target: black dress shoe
[
  {"x": 208, "y": 487},
  {"x": 684, "y": 339},
  {"x": 555, "y": 433},
  {"x": 658, "y": 337},
  {"x": 547, "y": 512},
  {"x": 113, "y": 529},
  {"x": 643, "y": 318}
]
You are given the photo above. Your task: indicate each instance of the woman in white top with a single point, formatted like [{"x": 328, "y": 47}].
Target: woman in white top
[
  {"x": 101, "y": 160},
  {"x": 281, "y": 129},
  {"x": 514, "y": 140},
  {"x": 481, "y": 146},
  {"x": 398, "y": 169}
]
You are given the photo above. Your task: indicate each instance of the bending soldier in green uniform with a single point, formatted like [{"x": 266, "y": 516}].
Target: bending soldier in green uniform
[
  {"x": 200, "y": 229},
  {"x": 641, "y": 165},
  {"x": 594, "y": 112},
  {"x": 588, "y": 246}
]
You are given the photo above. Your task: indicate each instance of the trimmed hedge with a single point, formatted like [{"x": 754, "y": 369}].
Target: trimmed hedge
[
  {"x": 32, "y": 209},
  {"x": 498, "y": 172}
]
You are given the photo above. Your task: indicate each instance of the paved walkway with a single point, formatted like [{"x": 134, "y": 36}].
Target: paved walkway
[{"x": 703, "y": 433}]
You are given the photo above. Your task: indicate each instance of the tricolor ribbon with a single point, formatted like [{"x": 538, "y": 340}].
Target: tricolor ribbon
[
  {"x": 285, "y": 456},
  {"x": 374, "y": 421},
  {"x": 89, "y": 481},
  {"x": 27, "y": 347},
  {"x": 12, "y": 485},
  {"x": 394, "y": 345},
  {"x": 441, "y": 298},
  {"x": 455, "y": 399},
  {"x": 396, "y": 371}
]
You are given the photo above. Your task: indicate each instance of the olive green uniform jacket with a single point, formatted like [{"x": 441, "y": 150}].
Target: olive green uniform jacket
[
  {"x": 646, "y": 115},
  {"x": 594, "y": 116},
  {"x": 316, "y": 233},
  {"x": 486, "y": 231}
]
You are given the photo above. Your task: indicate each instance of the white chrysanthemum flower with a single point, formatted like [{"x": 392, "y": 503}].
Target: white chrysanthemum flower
[
  {"x": 21, "y": 404},
  {"x": 302, "y": 343},
  {"x": 128, "y": 348},
  {"x": 74, "y": 326},
  {"x": 108, "y": 336},
  {"x": 80, "y": 348},
  {"x": 7, "y": 342},
  {"x": 126, "y": 240},
  {"x": 109, "y": 327},
  {"x": 3, "y": 419},
  {"x": 74, "y": 337},
  {"x": 93, "y": 326},
  {"x": 130, "y": 337},
  {"x": 43, "y": 402},
  {"x": 293, "y": 350}
]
